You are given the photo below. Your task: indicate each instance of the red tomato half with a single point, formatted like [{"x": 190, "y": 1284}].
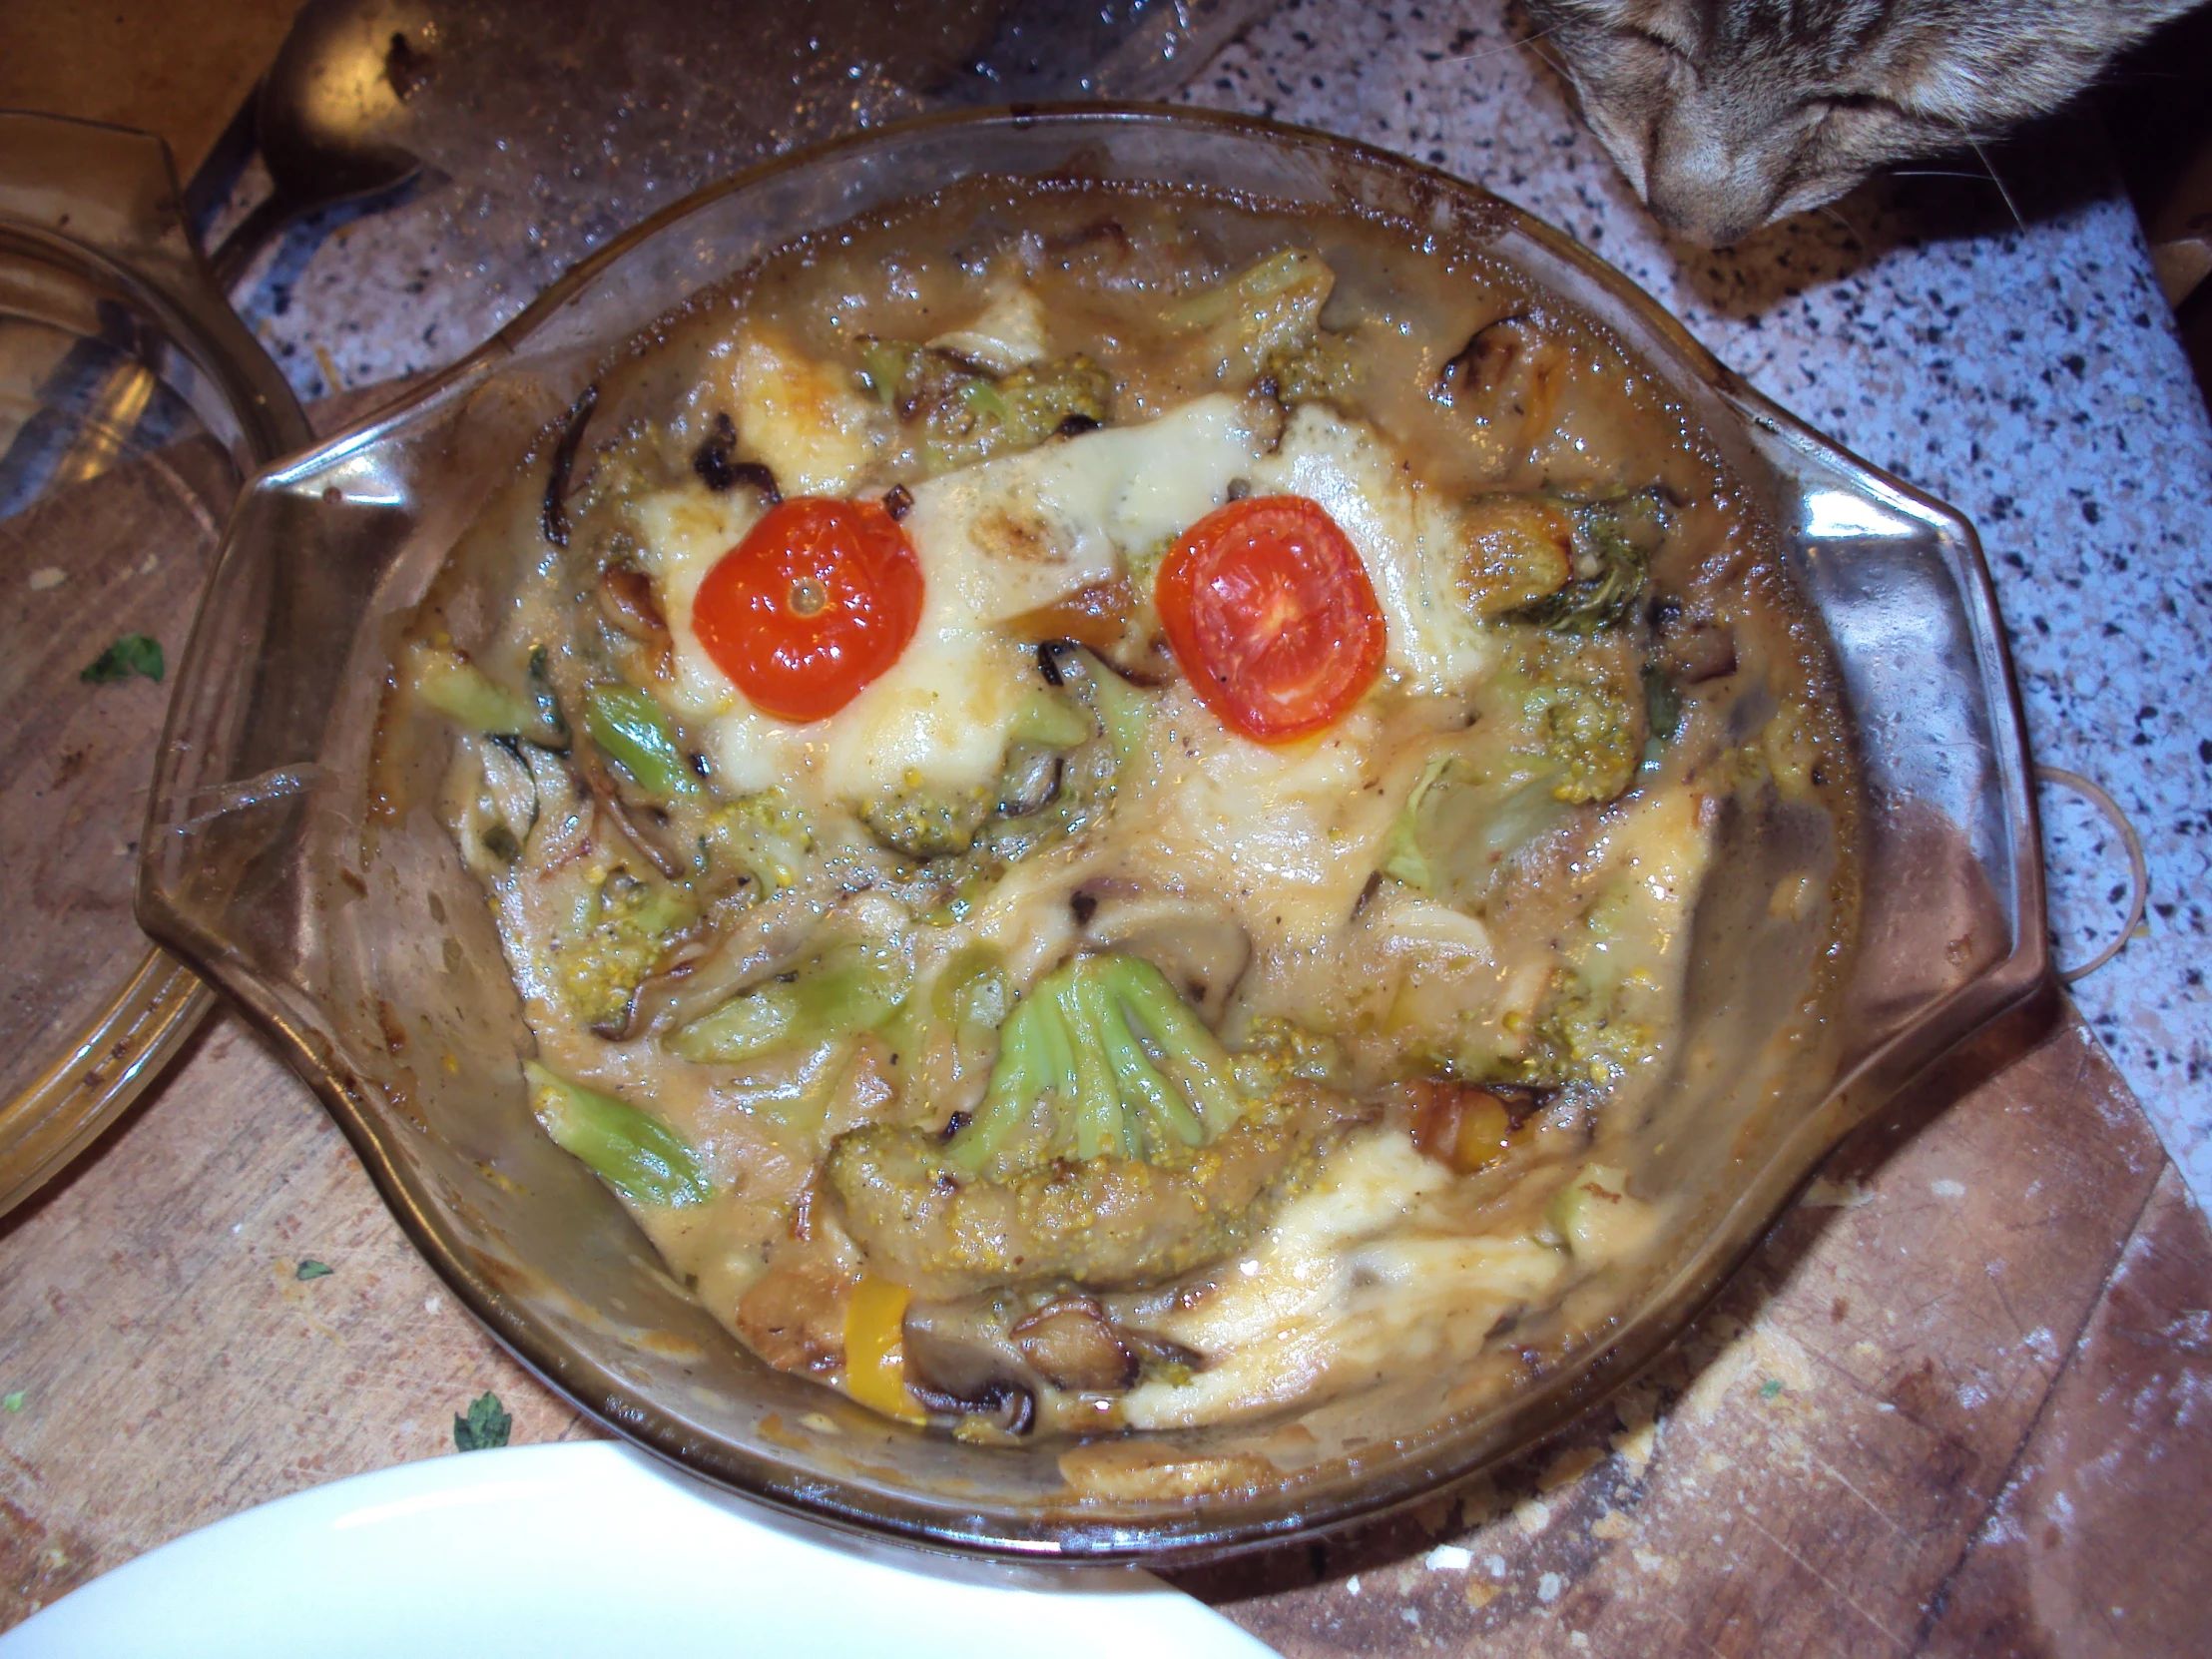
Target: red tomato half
[
  {"x": 819, "y": 600},
  {"x": 1270, "y": 611}
]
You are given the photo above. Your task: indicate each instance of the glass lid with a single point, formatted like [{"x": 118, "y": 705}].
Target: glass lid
[{"x": 133, "y": 405}]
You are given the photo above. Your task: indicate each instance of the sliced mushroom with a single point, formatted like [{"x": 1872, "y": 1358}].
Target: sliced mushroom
[
  {"x": 960, "y": 1362},
  {"x": 1155, "y": 1350},
  {"x": 1198, "y": 945},
  {"x": 1029, "y": 780},
  {"x": 1700, "y": 651},
  {"x": 553, "y": 512},
  {"x": 762, "y": 941},
  {"x": 1508, "y": 371},
  {"x": 793, "y": 1315},
  {"x": 641, "y": 823},
  {"x": 1104, "y": 616},
  {"x": 1076, "y": 1347},
  {"x": 491, "y": 802},
  {"x": 1517, "y": 549},
  {"x": 718, "y": 468},
  {"x": 626, "y": 600}
]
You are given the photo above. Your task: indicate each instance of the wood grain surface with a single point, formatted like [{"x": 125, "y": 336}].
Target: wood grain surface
[
  {"x": 1955, "y": 1405},
  {"x": 182, "y": 71}
]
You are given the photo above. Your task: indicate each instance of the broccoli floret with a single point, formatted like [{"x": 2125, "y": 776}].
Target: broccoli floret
[
  {"x": 926, "y": 823},
  {"x": 1321, "y": 370},
  {"x": 628, "y": 925},
  {"x": 1589, "y": 731},
  {"x": 764, "y": 834},
  {"x": 934, "y": 823},
  {"x": 1588, "y": 1029},
  {"x": 964, "y": 414},
  {"x": 1583, "y": 1036},
  {"x": 1279, "y": 1052},
  {"x": 1615, "y": 540},
  {"x": 1269, "y": 308},
  {"x": 1131, "y": 1070}
]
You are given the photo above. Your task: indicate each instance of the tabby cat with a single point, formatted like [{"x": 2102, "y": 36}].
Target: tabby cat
[{"x": 1725, "y": 113}]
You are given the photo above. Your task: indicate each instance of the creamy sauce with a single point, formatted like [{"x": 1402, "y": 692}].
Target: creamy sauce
[{"x": 1430, "y": 961}]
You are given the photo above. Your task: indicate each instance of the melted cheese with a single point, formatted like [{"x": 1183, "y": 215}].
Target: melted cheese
[
  {"x": 1407, "y": 535},
  {"x": 804, "y": 419},
  {"x": 1287, "y": 834},
  {"x": 994, "y": 541},
  {"x": 1353, "y": 1284},
  {"x": 1012, "y": 534}
]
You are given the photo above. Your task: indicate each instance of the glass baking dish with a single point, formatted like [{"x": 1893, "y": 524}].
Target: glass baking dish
[{"x": 365, "y": 953}]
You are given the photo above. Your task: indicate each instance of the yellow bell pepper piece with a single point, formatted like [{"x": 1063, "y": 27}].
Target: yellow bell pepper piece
[{"x": 875, "y": 1350}]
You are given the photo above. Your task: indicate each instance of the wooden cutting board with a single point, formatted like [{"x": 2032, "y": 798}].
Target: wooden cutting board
[
  {"x": 1955, "y": 1405},
  {"x": 179, "y": 71},
  {"x": 1960, "y": 1401}
]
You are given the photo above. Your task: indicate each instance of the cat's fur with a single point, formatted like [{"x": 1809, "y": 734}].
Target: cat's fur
[{"x": 1725, "y": 113}]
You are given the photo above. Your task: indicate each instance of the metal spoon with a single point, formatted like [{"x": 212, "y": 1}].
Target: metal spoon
[{"x": 338, "y": 78}]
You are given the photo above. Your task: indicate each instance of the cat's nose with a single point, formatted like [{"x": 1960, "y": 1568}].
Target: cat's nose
[{"x": 1706, "y": 182}]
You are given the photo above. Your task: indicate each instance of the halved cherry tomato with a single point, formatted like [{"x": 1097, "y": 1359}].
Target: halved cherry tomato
[
  {"x": 1268, "y": 607},
  {"x": 819, "y": 600}
]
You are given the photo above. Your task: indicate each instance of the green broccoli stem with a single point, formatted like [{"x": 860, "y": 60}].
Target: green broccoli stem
[
  {"x": 1016, "y": 1080},
  {"x": 1101, "y": 1125},
  {"x": 1124, "y": 712},
  {"x": 1080, "y": 1038},
  {"x": 632, "y": 731},
  {"x": 1402, "y": 854},
  {"x": 1133, "y": 1067},
  {"x": 985, "y": 398},
  {"x": 634, "y": 1153},
  {"x": 1250, "y": 289},
  {"x": 883, "y": 366},
  {"x": 470, "y": 698},
  {"x": 1195, "y": 1058},
  {"x": 846, "y": 990},
  {"x": 1047, "y": 721}
]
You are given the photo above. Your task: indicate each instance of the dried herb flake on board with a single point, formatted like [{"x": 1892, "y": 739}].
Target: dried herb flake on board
[
  {"x": 14, "y": 1402},
  {"x": 313, "y": 1268},
  {"x": 131, "y": 653},
  {"x": 486, "y": 1426}
]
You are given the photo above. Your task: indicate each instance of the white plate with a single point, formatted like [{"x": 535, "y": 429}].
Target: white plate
[{"x": 590, "y": 1548}]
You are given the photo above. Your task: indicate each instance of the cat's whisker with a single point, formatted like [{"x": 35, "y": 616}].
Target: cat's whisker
[
  {"x": 1935, "y": 173},
  {"x": 1505, "y": 50},
  {"x": 1850, "y": 230},
  {"x": 1981, "y": 156},
  {"x": 1556, "y": 66}
]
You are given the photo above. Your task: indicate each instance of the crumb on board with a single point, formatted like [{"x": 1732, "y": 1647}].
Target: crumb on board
[{"x": 1824, "y": 1194}]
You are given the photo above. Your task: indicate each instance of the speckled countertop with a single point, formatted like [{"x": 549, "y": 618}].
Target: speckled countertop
[{"x": 2026, "y": 371}]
